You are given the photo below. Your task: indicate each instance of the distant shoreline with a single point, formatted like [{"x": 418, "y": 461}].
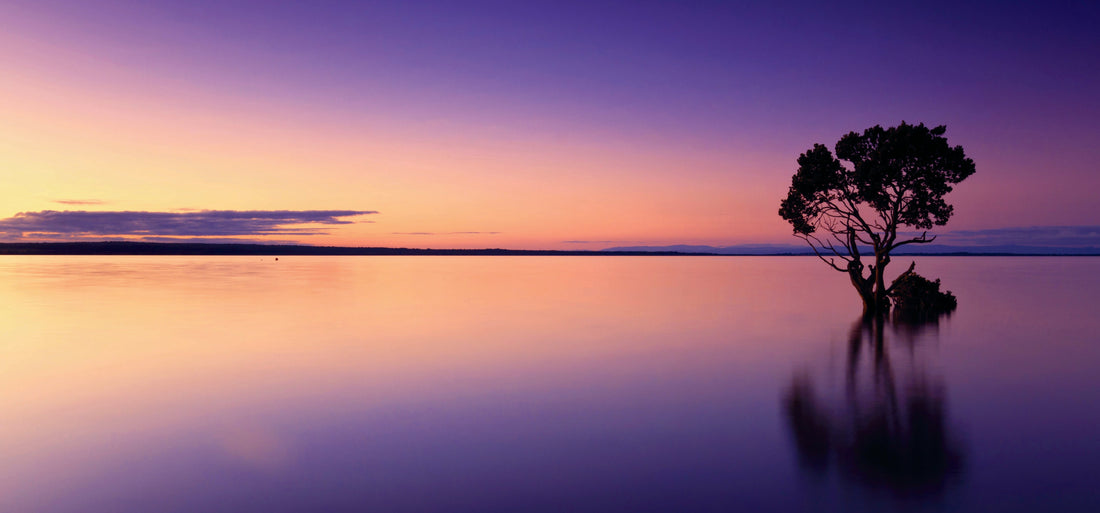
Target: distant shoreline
[
  {"x": 222, "y": 249},
  {"x": 215, "y": 249}
]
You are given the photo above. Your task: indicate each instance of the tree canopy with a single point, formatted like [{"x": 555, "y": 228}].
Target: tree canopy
[{"x": 879, "y": 181}]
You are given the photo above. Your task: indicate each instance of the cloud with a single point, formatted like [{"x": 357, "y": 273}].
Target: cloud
[
  {"x": 1054, "y": 236},
  {"x": 51, "y": 224},
  {"x": 444, "y": 233},
  {"x": 80, "y": 202},
  {"x": 219, "y": 240}
]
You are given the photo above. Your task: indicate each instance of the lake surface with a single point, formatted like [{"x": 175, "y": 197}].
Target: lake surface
[{"x": 486, "y": 384}]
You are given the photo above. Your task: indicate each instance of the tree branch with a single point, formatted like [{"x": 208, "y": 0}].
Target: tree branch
[
  {"x": 828, "y": 261},
  {"x": 923, "y": 239},
  {"x": 900, "y": 276}
]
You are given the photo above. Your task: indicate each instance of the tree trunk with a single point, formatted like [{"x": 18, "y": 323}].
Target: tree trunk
[
  {"x": 866, "y": 289},
  {"x": 872, "y": 291},
  {"x": 880, "y": 302},
  {"x": 874, "y": 308}
]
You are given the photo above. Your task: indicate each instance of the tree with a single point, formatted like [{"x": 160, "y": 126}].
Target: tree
[{"x": 891, "y": 178}]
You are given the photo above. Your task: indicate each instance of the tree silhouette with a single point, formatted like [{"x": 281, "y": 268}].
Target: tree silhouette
[{"x": 890, "y": 178}]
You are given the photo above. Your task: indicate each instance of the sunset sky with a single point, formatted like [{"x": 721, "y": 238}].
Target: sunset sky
[{"x": 557, "y": 125}]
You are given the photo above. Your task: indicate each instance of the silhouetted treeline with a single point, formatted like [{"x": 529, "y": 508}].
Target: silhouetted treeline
[{"x": 200, "y": 248}]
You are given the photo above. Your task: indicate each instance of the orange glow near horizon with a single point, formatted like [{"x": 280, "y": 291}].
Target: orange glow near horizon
[{"x": 140, "y": 143}]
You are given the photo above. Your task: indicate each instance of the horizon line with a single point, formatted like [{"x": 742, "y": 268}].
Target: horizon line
[{"x": 123, "y": 247}]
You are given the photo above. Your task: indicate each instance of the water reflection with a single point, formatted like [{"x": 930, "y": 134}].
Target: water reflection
[
  {"x": 226, "y": 384},
  {"x": 888, "y": 431}
]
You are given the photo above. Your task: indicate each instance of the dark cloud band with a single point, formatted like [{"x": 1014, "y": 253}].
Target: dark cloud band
[
  {"x": 203, "y": 223},
  {"x": 1055, "y": 236}
]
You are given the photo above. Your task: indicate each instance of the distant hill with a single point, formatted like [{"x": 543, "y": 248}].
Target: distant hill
[
  {"x": 927, "y": 249},
  {"x": 1004, "y": 249}
]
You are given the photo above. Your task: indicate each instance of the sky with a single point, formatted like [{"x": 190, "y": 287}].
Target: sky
[{"x": 523, "y": 125}]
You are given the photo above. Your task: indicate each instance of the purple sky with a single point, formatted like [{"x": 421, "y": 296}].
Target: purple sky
[{"x": 745, "y": 87}]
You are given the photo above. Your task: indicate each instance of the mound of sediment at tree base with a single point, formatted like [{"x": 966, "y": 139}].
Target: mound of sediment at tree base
[{"x": 917, "y": 297}]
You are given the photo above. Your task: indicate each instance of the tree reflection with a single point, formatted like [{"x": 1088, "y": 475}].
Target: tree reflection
[{"x": 889, "y": 432}]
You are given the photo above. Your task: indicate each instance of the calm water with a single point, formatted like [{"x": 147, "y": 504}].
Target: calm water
[{"x": 484, "y": 384}]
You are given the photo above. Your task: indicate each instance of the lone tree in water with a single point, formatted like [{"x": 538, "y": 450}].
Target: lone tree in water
[{"x": 891, "y": 178}]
